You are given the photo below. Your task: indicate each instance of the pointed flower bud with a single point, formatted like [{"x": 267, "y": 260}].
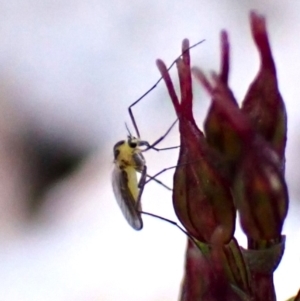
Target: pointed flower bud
[
  {"x": 218, "y": 130},
  {"x": 201, "y": 195},
  {"x": 217, "y": 133},
  {"x": 263, "y": 102}
]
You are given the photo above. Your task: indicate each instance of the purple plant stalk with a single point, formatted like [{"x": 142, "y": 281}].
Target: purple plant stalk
[{"x": 235, "y": 165}]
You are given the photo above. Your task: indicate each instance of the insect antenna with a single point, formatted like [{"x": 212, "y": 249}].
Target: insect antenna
[{"x": 128, "y": 131}]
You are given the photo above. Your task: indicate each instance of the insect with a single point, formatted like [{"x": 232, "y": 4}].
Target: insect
[{"x": 128, "y": 161}]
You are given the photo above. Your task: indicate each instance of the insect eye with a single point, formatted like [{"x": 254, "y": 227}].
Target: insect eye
[
  {"x": 133, "y": 144},
  {"x": 116, "y": 153}
]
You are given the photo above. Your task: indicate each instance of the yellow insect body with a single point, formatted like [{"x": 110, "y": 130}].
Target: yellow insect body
[
  {"x": 128, "y": 161},
  {"x": 132, "y": 182}
]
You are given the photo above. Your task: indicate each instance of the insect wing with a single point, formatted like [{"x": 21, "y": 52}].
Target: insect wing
[{"x": 125, "y": 199}]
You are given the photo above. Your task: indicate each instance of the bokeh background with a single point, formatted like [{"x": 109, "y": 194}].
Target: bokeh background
[{"x": 69, "y": 71}]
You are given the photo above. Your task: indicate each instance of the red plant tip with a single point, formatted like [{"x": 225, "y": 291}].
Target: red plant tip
[
  {"x": 225, "y": 48},
  {"x": 260, "y": 36},
  {"x": 185, "y": 52},
  {"x": 168, "y": 81},
  {"x": 263, "y": 103},
  {"x": 184, "y": 107},
  {"x": 185, "y": 81}
]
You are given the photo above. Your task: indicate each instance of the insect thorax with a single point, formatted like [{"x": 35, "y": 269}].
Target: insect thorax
[{"x": 128, "y": 153}]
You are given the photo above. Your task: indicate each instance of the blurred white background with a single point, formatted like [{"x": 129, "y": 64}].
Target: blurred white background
[{"x": 69, "y": 70}]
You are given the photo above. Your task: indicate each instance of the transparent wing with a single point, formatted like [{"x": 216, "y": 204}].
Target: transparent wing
[{"x": 125, "y": 199}]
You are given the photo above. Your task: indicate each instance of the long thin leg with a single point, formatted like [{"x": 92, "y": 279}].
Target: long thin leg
[
  {"x": 157, "y": 174},
  {"x": 164, "y": 170},
  {"x": 153, "y": 87},
  {"x": 143, "y": 181},
  {"x": 157, "y": 181},
  {"x": 141, "y": 186},
  {"x": 152, "y": 146},
  {"x": 172, "y": 223}
]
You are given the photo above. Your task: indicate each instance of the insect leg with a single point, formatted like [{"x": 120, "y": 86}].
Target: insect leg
[
  {"x": 141, "y": 186},
  {"x": 152, "y": 146},
  {"x": 157, "y": 174},
  {"x": 172, "y": 223},
  {"x": 157, "y": 181},
  {"x": 152, "y": 88},
  {"x": 164, "y": 170}
]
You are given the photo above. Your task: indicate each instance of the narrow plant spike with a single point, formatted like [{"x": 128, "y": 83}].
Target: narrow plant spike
[
  {"x": 263, "y": 102},
  {"x": 217, "y": 131},
  {"x": 225, "y": 57}
]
